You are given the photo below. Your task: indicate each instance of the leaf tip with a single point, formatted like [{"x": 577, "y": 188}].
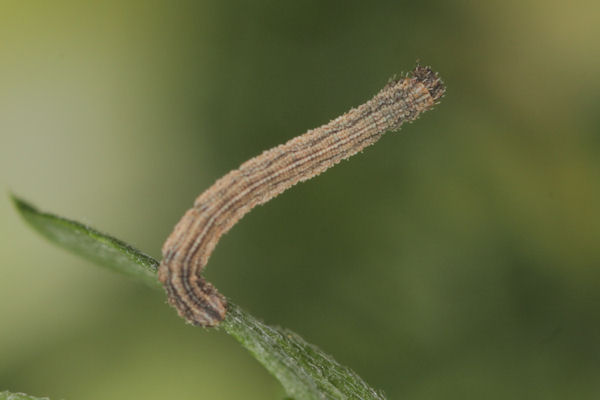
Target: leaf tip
[{"x": 21, "y": 205}]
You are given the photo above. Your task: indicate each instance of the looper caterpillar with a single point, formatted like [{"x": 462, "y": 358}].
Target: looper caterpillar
[{"x": 187, "y": 249}]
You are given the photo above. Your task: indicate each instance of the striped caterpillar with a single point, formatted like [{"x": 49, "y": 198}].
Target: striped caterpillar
[{"x": 188, "y": 248}]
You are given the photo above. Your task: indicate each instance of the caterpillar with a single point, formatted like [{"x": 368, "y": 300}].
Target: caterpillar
[{"x": 188, "y": 248}]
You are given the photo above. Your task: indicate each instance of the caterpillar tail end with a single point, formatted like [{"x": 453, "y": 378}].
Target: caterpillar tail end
[{"x": 196, "y": 300}]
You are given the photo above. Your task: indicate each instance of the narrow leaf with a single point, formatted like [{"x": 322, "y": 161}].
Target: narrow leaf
[
  {"x": 90, "y": 243},
  {"x": 304, "y": 370}
]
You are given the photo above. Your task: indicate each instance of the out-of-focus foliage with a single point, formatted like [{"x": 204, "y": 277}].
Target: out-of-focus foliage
[
  {"x": 5, "y": 395},
  {"x": 455, "y": 259}
]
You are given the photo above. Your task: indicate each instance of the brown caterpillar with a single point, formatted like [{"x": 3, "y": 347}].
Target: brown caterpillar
[{"x": 187, "y": 249}]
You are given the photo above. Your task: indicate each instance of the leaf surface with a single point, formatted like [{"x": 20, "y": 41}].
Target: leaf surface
[{"x": 304, "y": 370}]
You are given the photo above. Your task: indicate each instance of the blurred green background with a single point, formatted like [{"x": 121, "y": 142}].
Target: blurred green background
[{"x": 458, "y": 258}]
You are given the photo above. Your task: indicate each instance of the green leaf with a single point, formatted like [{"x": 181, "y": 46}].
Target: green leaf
[
  {"x": 91, "y": 244},
  {"x": 6, "y": 395},
  {"x": 304, "y": 370}
]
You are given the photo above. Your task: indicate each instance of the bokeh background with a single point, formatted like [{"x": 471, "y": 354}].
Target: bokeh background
[{"x": 458, "y": 258}]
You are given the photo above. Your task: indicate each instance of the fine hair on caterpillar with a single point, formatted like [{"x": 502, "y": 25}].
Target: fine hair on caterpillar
[{"x": 187, "y": 250}]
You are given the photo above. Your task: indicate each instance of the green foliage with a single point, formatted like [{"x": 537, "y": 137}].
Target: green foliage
[
  {"x": 91, "y": 244},
  {"x": 304, "y": 371},
  {"x": 6, "y": 395}
]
